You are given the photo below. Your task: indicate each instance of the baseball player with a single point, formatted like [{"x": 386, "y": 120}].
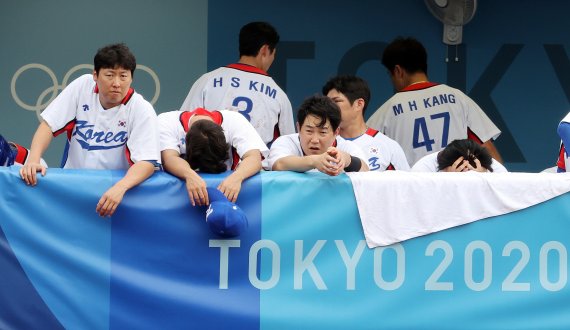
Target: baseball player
[
  {"x": 352, "y": 94},
  {"x": 564, "y": 133},
  {"x": 317, "y": 146},
  {"x": 107, "y": 124},
  {"x": 423, "y": 117},
  {"x": 459, "y": 156},
  {"x": 246, "y": 87},
  {"x": 211, "y": 142}
]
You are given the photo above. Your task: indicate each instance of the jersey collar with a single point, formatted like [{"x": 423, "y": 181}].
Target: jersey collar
[
  {"x": 246, "y": 68},
  {"x": 418, "y": 86}
]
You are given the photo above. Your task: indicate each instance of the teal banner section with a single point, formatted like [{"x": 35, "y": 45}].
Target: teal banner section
[{"x": 301, "y": 264}]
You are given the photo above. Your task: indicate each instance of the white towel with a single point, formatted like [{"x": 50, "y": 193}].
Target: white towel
[{"x": 395, "y": 205}]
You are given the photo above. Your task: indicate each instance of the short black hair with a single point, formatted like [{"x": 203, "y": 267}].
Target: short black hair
[
  {"x": 321, "y": 107},
  {"x": 352, "y": 87},
  {"x": 469, "y": 149},
  {"x": 408, "y": 53},
  {"x": 113, "y": 56},
  {"x": 254, "y": 35},
  {"x": 206, "y": 147}
]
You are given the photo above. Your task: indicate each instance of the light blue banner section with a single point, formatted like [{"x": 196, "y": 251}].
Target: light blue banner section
[{"x": 507, "y": 272}]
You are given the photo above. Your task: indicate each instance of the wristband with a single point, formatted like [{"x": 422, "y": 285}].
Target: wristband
[{"x": 354, "y": 166}]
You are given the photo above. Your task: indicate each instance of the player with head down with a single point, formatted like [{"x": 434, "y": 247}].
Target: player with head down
[
  {"x": 108, "y": 126},
  {"x": 317, "y": 146},
  {"x": 209, "y": 142},
  {"x": 460, "y": 156}
]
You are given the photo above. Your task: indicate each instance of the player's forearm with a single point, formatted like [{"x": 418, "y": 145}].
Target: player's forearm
[
  {"x": 249, "y": 166},
  {"x": 40, "y": 142},
  {"x": 176, "y": 165},
  {"x": 136, "y": 174},
  {"x": 295, "y": 163},
  {"x": 493, "y": 151}
]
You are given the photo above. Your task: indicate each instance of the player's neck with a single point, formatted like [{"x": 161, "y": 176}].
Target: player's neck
[
  {"x": 250, "y": 60},
  {"x": 353, "y": 130},
  {"x": 416, "y": 78}
]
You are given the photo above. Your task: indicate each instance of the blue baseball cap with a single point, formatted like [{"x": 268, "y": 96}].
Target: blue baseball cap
[{"x": 224, "y": 217}]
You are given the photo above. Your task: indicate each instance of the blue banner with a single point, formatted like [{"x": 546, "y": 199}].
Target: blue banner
[{"x": 302, "y": 263}]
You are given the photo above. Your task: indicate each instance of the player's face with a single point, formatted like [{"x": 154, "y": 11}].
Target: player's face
[
  {"x": 348, "y": 111},
  {"x": 316, "y": 140},
  {"x": 113, "y": 85}
]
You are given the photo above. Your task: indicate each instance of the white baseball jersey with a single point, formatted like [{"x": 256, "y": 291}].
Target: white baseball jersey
[
  {"x": 382, "y": 152},
  {"x": 249, "y": 91},
  {"x": 563, "y": 159},
  {"x": 425, "y": 117},
  {"x": 240, "y": 135},
  {"x": 103, "y": 139},
  {"x": 290, "y": 145},
  {"x": 429, "y": 163}
]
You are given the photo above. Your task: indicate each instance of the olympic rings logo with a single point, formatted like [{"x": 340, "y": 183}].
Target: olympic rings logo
[{"x": 52, "y": 91}]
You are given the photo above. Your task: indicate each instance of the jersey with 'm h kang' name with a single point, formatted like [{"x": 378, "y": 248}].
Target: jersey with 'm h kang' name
[{"x": 424, "y": 117}]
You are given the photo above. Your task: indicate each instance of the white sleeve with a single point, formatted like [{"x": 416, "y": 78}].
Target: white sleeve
[
  {"x": 242, "y": 136},
  {"x": 282, "y": 147},
  {"x": 399, "y": 159},
  {"x": 168, "y": 131},
  {"x": 143, "y": 141},
  {"x": 286, "y": 122},
  {"x": 63, "y": 108},
  {"x": 498, "y": 167},
  {"x": 479, "y": 122},
  {"x": 427, "y": 163},
  {"x": 195, "y": 98}
]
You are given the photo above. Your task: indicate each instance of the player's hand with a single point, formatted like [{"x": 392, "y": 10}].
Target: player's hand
[
  {"x": 231, "y": 187},
  {"x": 196, "y": 187},
  {"x": 342, "y": 159},
  {"x": 28, "y": 172},
  {"x": 110, "y": 200},
  {"x": 327, "y": 163},
  {"x": 460, "y": 165},
  {"x": 477, "y": 168}
]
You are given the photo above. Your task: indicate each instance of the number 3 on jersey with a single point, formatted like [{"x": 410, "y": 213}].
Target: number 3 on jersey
[
  {"x": 242, "y": 100},
  {"x": 421, "y": 135}
]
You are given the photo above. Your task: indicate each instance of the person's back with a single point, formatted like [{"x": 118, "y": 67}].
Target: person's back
[
  {"x": 246, "y": 86},
  {"x": 423, "y": 117}
]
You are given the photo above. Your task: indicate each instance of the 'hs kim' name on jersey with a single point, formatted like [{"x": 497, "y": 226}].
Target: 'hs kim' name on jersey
[
  {"x": 255, "y": 86},
  {"x": 427, "y": 103}
]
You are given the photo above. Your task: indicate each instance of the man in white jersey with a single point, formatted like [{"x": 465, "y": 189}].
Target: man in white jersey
[
  {"x": 246, "y": 87},
  {"x": 108, "y": 126},
  {"x": 352, "y": 94},
  {"x": 563, "y": 131},
  {"x": 317, "y": 146},
  {"x": 423, "y": 117},
  {"x": 209, "y": 142},
  {"x": 459, "y": 156}
]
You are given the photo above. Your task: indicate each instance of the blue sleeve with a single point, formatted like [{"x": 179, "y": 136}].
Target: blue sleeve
[{"x": 564, "y": 133}]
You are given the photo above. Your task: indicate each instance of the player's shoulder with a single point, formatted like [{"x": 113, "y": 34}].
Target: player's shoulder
[{"x": 170, "y": 115}]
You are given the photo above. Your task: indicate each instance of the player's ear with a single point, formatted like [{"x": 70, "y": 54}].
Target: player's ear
[{"x": 95, "y": 75}]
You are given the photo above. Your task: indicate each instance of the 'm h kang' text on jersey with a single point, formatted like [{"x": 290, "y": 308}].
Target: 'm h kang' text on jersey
[
  {"x": 426, "y": 103},
  {"x": 254, "y": 86}
]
